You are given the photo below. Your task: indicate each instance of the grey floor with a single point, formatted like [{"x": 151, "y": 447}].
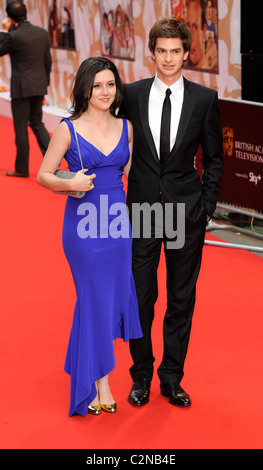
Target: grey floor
[{"x": 242, "y": 231}]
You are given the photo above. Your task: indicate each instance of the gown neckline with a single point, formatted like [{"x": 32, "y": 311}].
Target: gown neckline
[{"x": 99, "y": 149}]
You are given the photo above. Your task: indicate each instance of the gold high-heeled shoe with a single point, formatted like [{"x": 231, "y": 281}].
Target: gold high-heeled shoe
[
  {"x": 94, "y": 409},
  {"x": 109, "y": 408}
]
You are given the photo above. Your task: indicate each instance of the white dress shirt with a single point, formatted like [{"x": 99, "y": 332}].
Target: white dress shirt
[{"x": 156, "y": 99}]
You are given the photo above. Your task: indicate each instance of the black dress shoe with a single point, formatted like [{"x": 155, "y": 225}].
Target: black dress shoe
[
  {"x": 16, "y": 173},
  {"x": 177, "y": 396},
  {"x": 140, "y": 392}
]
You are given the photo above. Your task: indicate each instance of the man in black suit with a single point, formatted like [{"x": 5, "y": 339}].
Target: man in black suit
[
  {"x": 31, "y": 62},
  {"x": 168, "y": 177}
]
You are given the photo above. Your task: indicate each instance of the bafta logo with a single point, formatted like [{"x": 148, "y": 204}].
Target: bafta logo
[{"x": 228, "y": 140}]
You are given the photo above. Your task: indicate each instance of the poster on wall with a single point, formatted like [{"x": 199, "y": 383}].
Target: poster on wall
[
  {"x": 89, "y": 35},
  {"x": 202, "y": 18},
  {"x": 61, "y": 24},
  {"x": 116, "y": 32}
]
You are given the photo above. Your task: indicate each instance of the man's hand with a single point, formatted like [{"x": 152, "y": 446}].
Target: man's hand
[{"x": 6, "y": 23}]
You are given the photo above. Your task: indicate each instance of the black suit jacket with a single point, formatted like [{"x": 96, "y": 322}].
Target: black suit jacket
[
  {"x": 178, "y": 181},
  {"x": 29, "y": 49}
]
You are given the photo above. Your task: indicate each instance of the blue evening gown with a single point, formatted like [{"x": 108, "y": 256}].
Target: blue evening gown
[{"x": 97, "y": 242}]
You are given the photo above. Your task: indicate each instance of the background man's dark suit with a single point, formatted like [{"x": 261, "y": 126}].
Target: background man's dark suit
[
  {"x": 28, "y": 46},
  {"x": 176, "y": 182}
]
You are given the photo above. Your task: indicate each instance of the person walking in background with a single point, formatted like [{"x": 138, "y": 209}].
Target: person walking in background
[
  {"x": 171, "y": 117},
  {"x": 31, "y": 62},
  {"x": 96, "y": 243}
]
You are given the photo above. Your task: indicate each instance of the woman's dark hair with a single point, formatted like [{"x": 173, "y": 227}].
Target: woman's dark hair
[{"x": 84, "y": 81}]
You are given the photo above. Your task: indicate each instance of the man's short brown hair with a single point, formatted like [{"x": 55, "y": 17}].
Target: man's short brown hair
[
  {"x": 17, "y": 11},
  {"x": 170, "y": 28}
]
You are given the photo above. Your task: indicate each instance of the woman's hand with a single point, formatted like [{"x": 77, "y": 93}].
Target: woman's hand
[
  {"x": 82, "y": 182},
  {"x": 58, "y": 146}
]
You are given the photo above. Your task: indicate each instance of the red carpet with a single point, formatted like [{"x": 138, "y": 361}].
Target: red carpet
[{"x": 223, "y": 372}]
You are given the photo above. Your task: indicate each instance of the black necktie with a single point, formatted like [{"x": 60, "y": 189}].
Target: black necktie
[{"x": 165, "y": 128}]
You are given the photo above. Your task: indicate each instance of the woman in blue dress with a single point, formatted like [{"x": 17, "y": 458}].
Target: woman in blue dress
[{"x": 96, "y": 231}]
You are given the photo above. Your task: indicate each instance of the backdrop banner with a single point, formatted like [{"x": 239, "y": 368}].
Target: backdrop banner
[
  {"x": 242, "y": 183},
  {"x": 119, "y": 29}
]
